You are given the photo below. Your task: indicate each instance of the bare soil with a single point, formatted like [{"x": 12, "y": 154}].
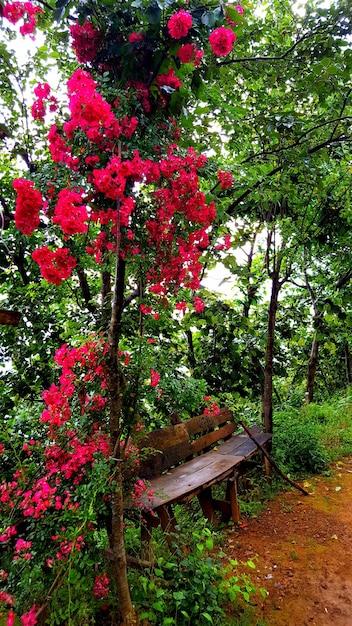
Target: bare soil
[{"x": 302, "y": 547}]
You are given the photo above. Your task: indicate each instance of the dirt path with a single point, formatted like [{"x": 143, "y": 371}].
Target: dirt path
[{"x": 304, "y": 548}]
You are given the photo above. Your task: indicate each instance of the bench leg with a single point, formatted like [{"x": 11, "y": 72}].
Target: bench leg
[
  {"x": 206, "y": 502},
  {"x": 267, "y": 467},
  {"x": 233, "y": 497}
]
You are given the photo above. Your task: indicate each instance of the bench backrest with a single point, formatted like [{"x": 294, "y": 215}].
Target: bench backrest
[{"x": 170, "y": 446}]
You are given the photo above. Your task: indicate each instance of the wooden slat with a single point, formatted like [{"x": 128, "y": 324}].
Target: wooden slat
[
  {"x": 242, "y": 444},
  {"x": 169, "y": 446},
  {"x": 9, "y": 318},
  {"x": 216, "y": 435},
  {"x": 186, "y": 479},
  {"x": 158, "y": 462},
  {"x": 201, "y": 423},
  {"x": 164, "y": 437}
]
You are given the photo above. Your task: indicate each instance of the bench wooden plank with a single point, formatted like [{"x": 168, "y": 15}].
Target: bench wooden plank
[
  {"x": 210, "y": 438},
  {"x": 200, "y": 423},
  {"x": 242, "y": 444},
  {"x": 187, "y": 479}
]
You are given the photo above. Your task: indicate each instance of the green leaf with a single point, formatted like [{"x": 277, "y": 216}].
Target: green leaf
[
  {"x": 153, "y": 14},
  {"x": 208, "y": 19}
]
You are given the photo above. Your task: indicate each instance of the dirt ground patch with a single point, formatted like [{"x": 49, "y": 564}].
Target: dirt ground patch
[{"x": 302, "y": 547}]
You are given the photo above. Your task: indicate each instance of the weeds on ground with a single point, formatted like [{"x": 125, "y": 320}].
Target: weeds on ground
[{"x": 189, "y": 589}]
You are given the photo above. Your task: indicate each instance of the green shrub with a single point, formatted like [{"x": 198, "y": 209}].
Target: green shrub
[
  {"x": 298, "y": 442},
  {"x": 190, "y": 589}
]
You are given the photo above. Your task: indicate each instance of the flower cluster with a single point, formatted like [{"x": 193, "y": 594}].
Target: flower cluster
[
  {"x": 179, "y": 24},
  {"x": 188, "y": 53},
  {"x": 198, "y": 304},
  {"x": 101, "y": 586},
  {"x": 42, "y": 91},
  {"x": 86, "y": 41},
  {"x": 70, "y": 212},
  {"x": 27, "y": 619},
  {"x": 212, "y": 406},
  {"x": 15, "y": 11},
  {"x": 54, "y": 266},
  {"x": 28, "y": 205},
  {"x": 154, "y": 378},
  {"x": 225, "y": 179},
  {"x": 222, "y": 40},
  {"x": 179, "y": 250},
  {"x": 142, "y": 494}
]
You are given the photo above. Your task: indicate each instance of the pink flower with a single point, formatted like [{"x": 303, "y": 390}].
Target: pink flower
[
  {"x": 135, "y": 37},
  {"x": 225, "y": 179},
  {"x": 179, "y": 24},
  {"x": 6, "y": 598},
  {"x": 29, "y": 619},
  {"x": 222, "y": 40},
  {"x": 198, "y": 304},
  {"x": 54, "y": 266},
  {"x": 86, "y": 41},
  {"x": 101, "y": 586},
  {"x": 168, "y": 80},
  {"x": 28, "y": 204},
  {"x": 10, "y": 618},
  {"x": 186, "y": 53},
  {"x": 154, "y": 378},
  {"x": 22, "y": 545},
  {"x": 181, "y": 306}
]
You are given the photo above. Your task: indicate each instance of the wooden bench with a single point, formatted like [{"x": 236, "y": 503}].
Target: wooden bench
[{"x": 186, "y": 460}]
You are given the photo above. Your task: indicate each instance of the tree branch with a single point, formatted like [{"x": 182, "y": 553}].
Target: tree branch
[
  {"x": 87, "y": 297},
  {"x": 298, "y": 140}
]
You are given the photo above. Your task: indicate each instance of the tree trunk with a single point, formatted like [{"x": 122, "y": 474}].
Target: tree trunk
[
  {"x": 348, "y": 363},
  {"x": 267, "y": 410},
  {"x": 251, "y": 289},
  {"x": 312, "y": 368},
  {"x": 126, "y": 612},
  {"x": 191, "y": 357}
]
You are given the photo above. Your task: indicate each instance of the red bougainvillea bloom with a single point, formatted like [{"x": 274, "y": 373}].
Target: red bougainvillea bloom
[
  {"x": 101, "y": 586},
  {"x": 198, "y": 304},
  {"x": 28, "y": 204},
  {"x": 86, "y": 41},
  {"x": 222, "y": 40},
  {"x": 186, "y": 53},
  {"x": 54, "y": 266},
  {"x": 154, "y": 378},
  {"x": 70, "y": 214},
  {"x": 14, "y": 11},
  {"x": 179, "y": 24},
  {"x": 42, "y": 91},
  {"x": 225, "y": 179},
  {"x": 29, "y": 619},
  {"x": 135, "y": 37},
  {"x": 169, "y": 79},
  {"x": 10, "y": 618},
  {"x": 181, "y": 306}
]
